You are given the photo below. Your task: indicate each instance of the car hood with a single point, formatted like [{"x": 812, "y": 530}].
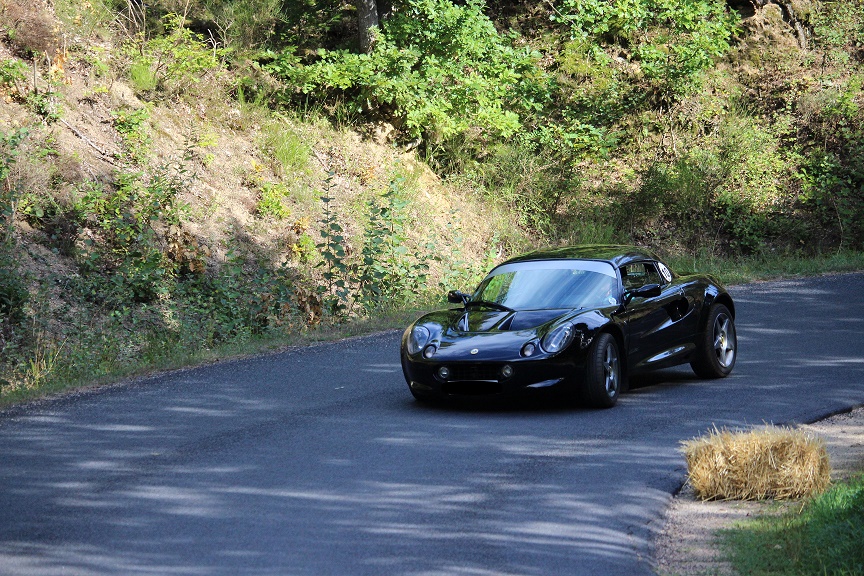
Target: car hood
[
  {"x": 493, "y": 334},
  {"x": 462, "y": 322},
  {"x": 487, "y": 334}
]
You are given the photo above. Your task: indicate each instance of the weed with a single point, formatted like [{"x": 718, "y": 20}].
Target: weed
[
  {"x": 174, "y": 62},
  {"x": 133, "y": 126},
  {"x": 271, "y": 202},
  {"x": 287, "y": 152},
  {"x": 335, "y": 292},
  {"x": 45, "y": 105},
  {"x": 13, "y": 78},
  {"x": 390, "y": 273}
]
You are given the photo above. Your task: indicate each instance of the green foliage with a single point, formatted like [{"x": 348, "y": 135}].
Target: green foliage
[
  {"x": 389, "y": 273},
  {"x": 440, "y": 68},
  {"x": 831, "y": 174},
  {"x": 86, "y": 18},
  {"x": 175, "y": 62},
  {"x": 271, "y": 203},
  {"x": 130, "y": 251},
  {"x": 730, "y": 185},
  {"x": 245, "y": 24},
  {"x": 9, "y": 192},
  {"x": 304, "y": 249},
  {"x": 667, "y": 43},
  {"x": 13, "y": 289},
  {"x": 315, "y": 22},
  {"x": 45, "y": 105},
  {"x": 752, "y": 193},
  {"x": 822, "y": 537},
  {"x": 335, "y": 292},
  {"x": 143, "y": 76},
  {"x": 838, "y": 28},
  {"x": 529, "y": 174},
  {"x": 12, "y": 75},
  {"x": 133, "y": 126},
  {"x": 285, "y": 149}
]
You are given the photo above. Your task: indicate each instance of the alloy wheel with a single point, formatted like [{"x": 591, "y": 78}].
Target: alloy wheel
[{"x": 724, "y": 340}]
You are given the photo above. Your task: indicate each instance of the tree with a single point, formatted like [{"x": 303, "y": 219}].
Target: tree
[{"x": 370, "y": 13}]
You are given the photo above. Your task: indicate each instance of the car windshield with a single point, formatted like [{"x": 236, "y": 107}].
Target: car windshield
[{"x": 547, "y": 285}]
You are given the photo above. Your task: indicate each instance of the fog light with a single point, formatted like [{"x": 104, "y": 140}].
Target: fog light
[
  {"x": 429, "y": 351},
  {"x": 528, "y": 350},
  {"x": 443, "y": 372},
  {"x": 507, "y": 371}
]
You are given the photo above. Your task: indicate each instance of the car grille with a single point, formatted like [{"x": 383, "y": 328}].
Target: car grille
[
  {"x": 471, "y": 388},
  {"x": 474, "y": 372}
]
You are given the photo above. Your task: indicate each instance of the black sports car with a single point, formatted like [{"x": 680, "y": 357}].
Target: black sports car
[{"x": 583, "y": 318}]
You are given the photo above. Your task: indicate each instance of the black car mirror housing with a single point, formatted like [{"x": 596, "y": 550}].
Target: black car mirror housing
[{"x": 457, "y": 297}]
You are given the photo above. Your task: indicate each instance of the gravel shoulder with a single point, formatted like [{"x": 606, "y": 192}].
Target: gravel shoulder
[{"x": 687, "y": 546}]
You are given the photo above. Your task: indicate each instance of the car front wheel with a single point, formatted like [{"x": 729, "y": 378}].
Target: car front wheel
[
  {"x": 603, "y": 372},
  {"x": 717, "y": 346}
]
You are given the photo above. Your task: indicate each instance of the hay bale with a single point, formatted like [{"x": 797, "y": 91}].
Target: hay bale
[{"x": 771, "y": 462}]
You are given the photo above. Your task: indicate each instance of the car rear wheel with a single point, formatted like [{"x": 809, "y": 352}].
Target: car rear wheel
[
  {"x": 717, "y": 346},
  {"x": 603, "y": 374}
]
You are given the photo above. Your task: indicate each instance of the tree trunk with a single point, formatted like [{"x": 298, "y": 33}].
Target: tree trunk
[{"x": 367, "y": 18}]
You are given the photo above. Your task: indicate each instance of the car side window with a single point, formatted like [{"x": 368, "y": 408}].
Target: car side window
[{"x": 640, "y": 274}]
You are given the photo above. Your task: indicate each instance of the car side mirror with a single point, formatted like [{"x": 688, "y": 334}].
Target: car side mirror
[
  {"x": 646, "y": 291},
  {"x": 456, "y": 297}
]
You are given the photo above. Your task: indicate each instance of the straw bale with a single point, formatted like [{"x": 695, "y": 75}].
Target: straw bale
[{"x": 771, "y": 462}]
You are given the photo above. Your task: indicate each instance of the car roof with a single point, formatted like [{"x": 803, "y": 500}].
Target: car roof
[{"x": 616, "y": 254}]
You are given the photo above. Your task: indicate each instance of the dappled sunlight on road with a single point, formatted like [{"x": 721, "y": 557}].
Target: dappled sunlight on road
[{"x": 314, "y": 459}]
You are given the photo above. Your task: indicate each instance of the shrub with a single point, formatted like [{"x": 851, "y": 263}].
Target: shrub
[
  {"x": 773, "y": 462},
  {"x": 13, "y": 290},
  {"x": 245, "y": 24},
  {"x": 133, "y": 126},
  {"x": 389, "y": 272},
  {"x": 271, "y": 203},
  {"x": 13, "y": 78},
  {"x": 439, "y": 68},
  {"x": 173, "y": 62},
  {"x": 668, "y": 43}
]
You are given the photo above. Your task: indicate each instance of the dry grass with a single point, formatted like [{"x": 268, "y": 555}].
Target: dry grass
[{"x": 772, "y": 462}]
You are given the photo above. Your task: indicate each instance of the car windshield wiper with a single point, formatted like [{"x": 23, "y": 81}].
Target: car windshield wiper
[{"x": 489, "y": 304}]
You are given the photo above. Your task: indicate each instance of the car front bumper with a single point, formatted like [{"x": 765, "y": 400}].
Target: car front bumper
[{"x": 487, "y": 378}]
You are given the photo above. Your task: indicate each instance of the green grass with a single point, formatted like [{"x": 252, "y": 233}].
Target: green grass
[
  {"x": 825, "y": 536},
  {"x": 287, "y": 152},
  {"x": 768, "y": 266}
]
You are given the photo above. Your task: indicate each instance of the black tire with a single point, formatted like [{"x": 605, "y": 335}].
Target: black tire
[
  {"x": 717, "y": 346},
  {"x": 603, "y": 372}
]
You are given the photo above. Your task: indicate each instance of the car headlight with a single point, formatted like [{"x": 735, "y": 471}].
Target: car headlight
[
  {"x": 558, "y": 339},
  {"x": 418, "y": 338}
]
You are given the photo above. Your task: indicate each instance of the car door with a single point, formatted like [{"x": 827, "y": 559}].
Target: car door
[{"x": 656, "y": 333}]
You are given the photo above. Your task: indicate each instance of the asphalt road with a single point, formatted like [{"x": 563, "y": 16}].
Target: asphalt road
[{"x": 317, "y": 461}]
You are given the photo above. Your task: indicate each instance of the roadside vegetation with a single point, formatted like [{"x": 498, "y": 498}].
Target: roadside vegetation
[
  {"x": 811, "y": 525},
  {"x": 184, "y": 180},
  {"x": 824, "y": 535}
]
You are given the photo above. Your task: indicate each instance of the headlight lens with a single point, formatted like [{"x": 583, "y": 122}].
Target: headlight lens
[
  {"x": 418, "y": 338},
  {"x": 558, "y": 339}
]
